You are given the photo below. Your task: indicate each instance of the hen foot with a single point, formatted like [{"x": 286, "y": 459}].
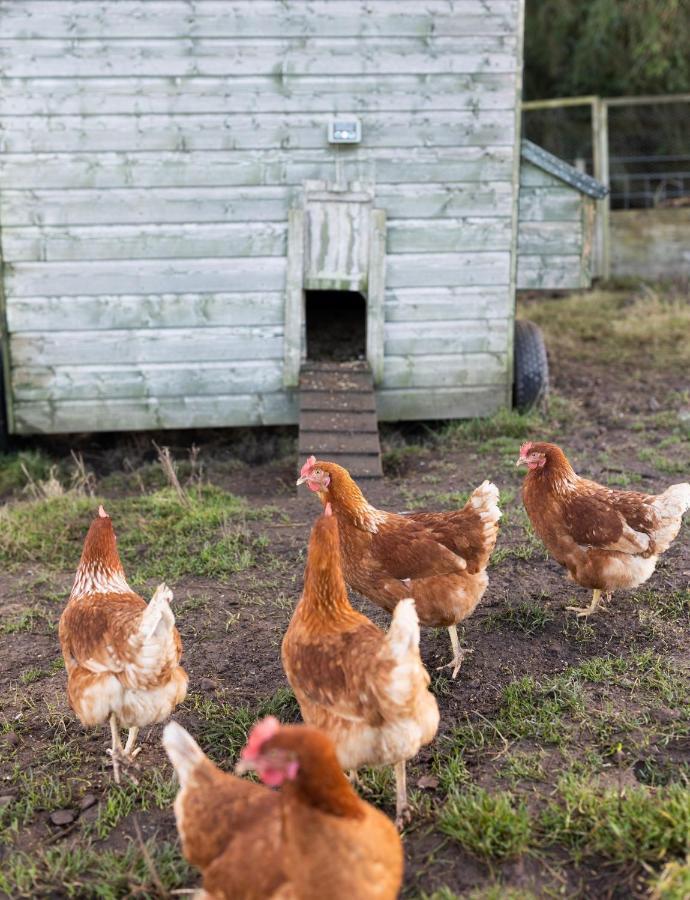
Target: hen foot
[{"x": 586, "y": 611}]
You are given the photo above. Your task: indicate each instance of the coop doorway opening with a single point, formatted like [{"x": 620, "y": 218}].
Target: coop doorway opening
[{"x": 336, "y": 325}]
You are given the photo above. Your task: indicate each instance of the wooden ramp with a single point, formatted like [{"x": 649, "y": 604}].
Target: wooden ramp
[{"x": 337, "y": 416}]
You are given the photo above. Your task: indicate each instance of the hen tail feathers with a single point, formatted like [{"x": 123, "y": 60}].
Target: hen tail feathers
[
  {"x": 403, "y": 633},
  {"x": 675, "y": 500},
  {"x": 484, "y": 500},
  {"x": 158, "y": 617},
  {"x": 184, "y": 752}
]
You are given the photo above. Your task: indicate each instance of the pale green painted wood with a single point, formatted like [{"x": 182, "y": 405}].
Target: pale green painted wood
[
  {"x": 187, "y": 173},
  {"x": 257, "y": 19},
  {"x": 441, "y": 269},
  {"x": 422, "y": 305},
  {"x": 441, "y": 403},
  {"x": 549, "y": 204},
  {"x": 294, "y": 299},
  {"x": 156, "y": 207},
  {"x": 554, "y": 233},
  {"x": 549, "y": 272},
  {"x": 140, "y": 414},
  {"x": 137, "y": 311},
  {"x": 438, "y": 371},
  {"x": 551, "y": 238},
  {"x": 221, "y": 132},
  {"x": 129, "y": 242},
  {"x": 449, "y": 235},
  {"x": 148, "y": 345},
  {"x": 376, "y": 293},
  {"x": 533, "y": 176},
  {"x": 472, "y": 336},
  {"x": 255, "y": 94},
  {"x": 244, "y": 239},
  {"x": 185, "y": 57},
  {"x": 235, "y": 169},
  {"x": 146, "y": 276},
  {"x": 88, "y": 382}
]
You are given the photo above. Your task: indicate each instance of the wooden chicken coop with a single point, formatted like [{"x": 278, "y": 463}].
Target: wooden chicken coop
[{"x": 197, "y": 200}]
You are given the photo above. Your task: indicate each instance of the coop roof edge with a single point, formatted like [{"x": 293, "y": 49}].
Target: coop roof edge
[{"x": 555, "y": 166}]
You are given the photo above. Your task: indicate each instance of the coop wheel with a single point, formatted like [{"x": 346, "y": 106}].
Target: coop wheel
[{"x": 531, "y": 367}]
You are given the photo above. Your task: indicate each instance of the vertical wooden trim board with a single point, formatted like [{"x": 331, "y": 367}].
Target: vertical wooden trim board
[
  {"x": 376, "y": 291},
  {"x": 294, "y": 298}
]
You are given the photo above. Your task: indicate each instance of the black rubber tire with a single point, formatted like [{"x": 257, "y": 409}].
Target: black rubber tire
[{"x": 531, "y": 366}]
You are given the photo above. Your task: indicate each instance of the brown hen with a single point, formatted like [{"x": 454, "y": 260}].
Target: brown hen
[
  {"x": 439, "y": 559},
  {"x": 122, "y": 655},
  {"x": 606, "y": 539},
  {"x": 312, "y": 839},
  {"x": 367, "y": 689}
]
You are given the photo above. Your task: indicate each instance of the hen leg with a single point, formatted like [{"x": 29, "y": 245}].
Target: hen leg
[
  {"x": 588, "y": 610},
  {"x": 129, "y": 750},
  {"x": 459, "y": 653},
  {"x": 402, "y": 810},
  {"x": 116, "y": 752}
]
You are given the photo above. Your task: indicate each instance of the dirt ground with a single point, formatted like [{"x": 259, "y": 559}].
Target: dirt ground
[{"x": 562, "y": 764}]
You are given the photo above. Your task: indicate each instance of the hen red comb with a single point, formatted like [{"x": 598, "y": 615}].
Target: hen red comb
[
  {"x": 261, "y": 732},
  {"x": 524, "y": 450},
  {"x": 308, "y": 466},
  {"x": 102, "y": 513}
]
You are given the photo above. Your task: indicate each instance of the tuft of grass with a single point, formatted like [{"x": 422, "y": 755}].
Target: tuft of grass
[
  {"x": 26, "y": 622},
  {"x": 91, "y": 871},
  {"x": 223, "y": 729},
  {"x": 673, "y": 883},
  {"x": 158, "y": 536},
  {"x": 673, "y": 606},
  {"x": 527, "y": 617},
  {"x": 153, "y": 790},
  {"x": 506, "y": 423},
  {"x": 622, "y": 826},
  {"x": 15, "y": 467},
  {"x": 492, "y": 826},
  {"x": 32, "y": 675}
]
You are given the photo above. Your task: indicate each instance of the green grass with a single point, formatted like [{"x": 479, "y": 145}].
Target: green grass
[
  {"x": 492, "y": 826},
  {"x": 91, "y": 871},
  {"x": 673, "y": 883},
  {"x": 158, "y": 536},
  {"x": 222, "y": 729},
  {"x": 673, "y": 606},
  {"x": 527, "y": 618},
  {"x": 622, "y": 826},
  {"x": 153, "y": 790},
  {"x": 14, "y": 466},
  {"x": 26, "y": 622}
]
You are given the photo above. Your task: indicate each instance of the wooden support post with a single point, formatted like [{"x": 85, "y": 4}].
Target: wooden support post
[
  {"x": 600, "y": 155},
  {"x": 294, "y": 298},
  {"x": 376, "y": 292}
]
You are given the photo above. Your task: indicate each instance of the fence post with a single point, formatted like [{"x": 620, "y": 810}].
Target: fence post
[{"x": 600, "y": 159}]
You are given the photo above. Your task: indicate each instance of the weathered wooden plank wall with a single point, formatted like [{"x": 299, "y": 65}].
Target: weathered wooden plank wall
[
  {"x": 650, "y": 243},
  {"x": 151, "y": 151},
  {"x": 554, "y": 232}
]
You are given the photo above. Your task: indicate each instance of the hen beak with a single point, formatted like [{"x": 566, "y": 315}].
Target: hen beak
[
  {"x": 302, "y": 479},
  {"x": 243, "y": 766},
  {"x": 521, "y": 461}
]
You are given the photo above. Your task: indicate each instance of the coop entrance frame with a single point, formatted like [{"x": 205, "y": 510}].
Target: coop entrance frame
[{"x": 336, "y": 242}]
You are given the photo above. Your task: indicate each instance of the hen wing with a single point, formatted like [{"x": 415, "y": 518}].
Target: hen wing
[
  {"x": 406, "y": 548},
  {"x": 338, "y": 671},
  {"x": 620, "y": 521},
  {"x": 122, "y": 635}
]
